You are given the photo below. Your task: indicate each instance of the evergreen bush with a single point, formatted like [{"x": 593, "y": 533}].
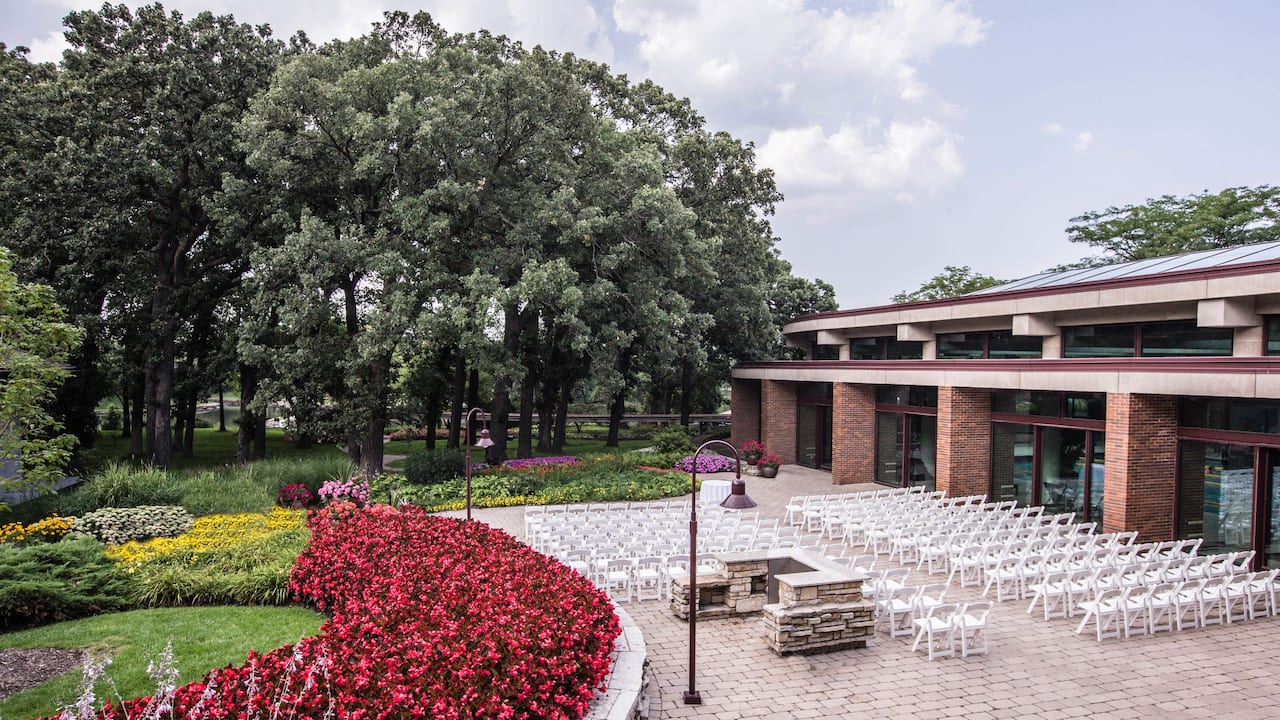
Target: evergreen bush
[
  {"x": 52, "y": 582},
  {"x": 432, "y": 467}
]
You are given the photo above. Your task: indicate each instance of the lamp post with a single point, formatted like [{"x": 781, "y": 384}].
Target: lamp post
[
  {"x": 737, "y": 500},
  {"x": 483, "y": 442}
]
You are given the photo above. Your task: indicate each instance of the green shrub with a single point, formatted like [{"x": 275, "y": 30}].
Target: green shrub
[
  {"x": 671, "y": 439},
  {"x": 52, "y": 582},
  {"x": 210, "y": 493},
  {"x": 120, "y": 485},
  {"x": 310, "y": 471},
  {"x": 114, "y": 526},
  {"x": 113, "y": 421},
  {"x": 432, "y": 467},
  {"x": 250, "y": 573}
]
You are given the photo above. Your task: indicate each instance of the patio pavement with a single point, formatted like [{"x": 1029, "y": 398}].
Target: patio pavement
[{"x": 1035, "y": 669}]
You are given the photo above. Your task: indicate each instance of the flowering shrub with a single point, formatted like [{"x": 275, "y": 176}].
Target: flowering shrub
[
  {"x": 429, "y": 617},
  {"x": 354, "y": 490},
  {"x": 538, "y": 461},
  {"x": 112, "y": 526},
  {"x": 49, "y": 529},
  {"x": 295, "y": 494},
  {"x": 708, "y": 463},
  {"x": 752, "y": 450},
  {"x": 211, "y": 533}
]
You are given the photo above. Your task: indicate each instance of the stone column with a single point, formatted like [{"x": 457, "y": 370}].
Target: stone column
[
  {"x": 964, "y": 441},
  {"x": 1141, "y": 466},
  {"x": 853, "y": 433}
]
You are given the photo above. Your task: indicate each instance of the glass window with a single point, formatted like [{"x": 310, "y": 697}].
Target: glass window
[
  {"x": 889, "y": 448},
  {"x": 909, "y": 395},
  {"x": 1273, "y": 336},
  {"x": 1215, "y": 495},
  {"x": 826, "y": 352},
  {"x": 1261, "y": 416},
  {"x": 814, "y": 391},
  {"x": 1088, "y": 406},
  {"x": 806, "y": 436},
  {"x": 866, "y": 349},
  {"x": 904, "y": 349},
  {"x": 1062, "y": 462},
  {"x": 961, "y": 346},
  {"x": 1011, "y": 462},
  {"x": 1185, "y": 339},
  {"x": 1098, "y": 341},
  {"x": 923, "y": 451},
  {"x": 1026, "y": 402},
  {"x": 1098, "y": 478},
  {"x": 1003, "y": 344}
]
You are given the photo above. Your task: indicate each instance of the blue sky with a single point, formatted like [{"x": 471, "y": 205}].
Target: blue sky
[{"x": 905, "y": 135}]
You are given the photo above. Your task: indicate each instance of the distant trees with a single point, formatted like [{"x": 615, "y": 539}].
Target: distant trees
[
  {"x": 953, "y": 280},
  {"x": 406, "y": 212},
  {"x": 1169, "y": 225}
]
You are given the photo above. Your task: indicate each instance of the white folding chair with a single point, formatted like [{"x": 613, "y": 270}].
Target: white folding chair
[
  {"x": 897, "y": 608},
  {"x": 1162, "y": 603},
  {"x": 1104, "y": 610},
  {"x": 648, "y": 578},
  {"x": 617, "y": 579},
  {"x": 1051, "y": 594},
  {"x": 937, "y": 631},
  {"x": 970, "y": 623},
  {"x": 1261, "y": 599}
]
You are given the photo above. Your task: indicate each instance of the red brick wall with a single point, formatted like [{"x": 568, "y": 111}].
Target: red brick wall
[
  {"x": 1141, "y": 465},
  {"x": 964, "y": 440},
  {"x": 744, "y": 403},
  {"x": 778, "y": 419},
  {"x": 853, "y": 433}
]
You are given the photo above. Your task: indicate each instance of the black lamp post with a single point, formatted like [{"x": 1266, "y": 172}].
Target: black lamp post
[
  {"x": 737, "y": 500},
  {"x": 483, "y": 442}
]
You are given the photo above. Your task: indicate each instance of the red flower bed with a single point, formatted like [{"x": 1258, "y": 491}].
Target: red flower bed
[{"x": 430, "y": 617}]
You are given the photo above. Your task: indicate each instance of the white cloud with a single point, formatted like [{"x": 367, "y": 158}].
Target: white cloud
[
  {"x": 905, "y": 156},
  {"x": 48, "y": 49},
  {"x": 830, "y": 57},
  {"x": 1052, "y": 128},
  {"x": 1083, "y": 141}
]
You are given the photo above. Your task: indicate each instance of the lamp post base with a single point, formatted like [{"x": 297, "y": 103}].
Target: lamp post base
[{"x": 692, "y": 698}]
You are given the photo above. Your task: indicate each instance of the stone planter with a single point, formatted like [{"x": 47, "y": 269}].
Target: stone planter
[{"x": 767, "y": 471}]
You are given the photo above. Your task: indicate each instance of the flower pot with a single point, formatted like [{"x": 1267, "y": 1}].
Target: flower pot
[
  {"x": 767, "y": 471},
  {"x": 752, "y": 460}
]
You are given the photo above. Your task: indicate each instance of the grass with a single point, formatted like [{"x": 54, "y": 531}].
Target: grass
[
  {"x": 203, "y": 639},
  {"x": 212, "y": 449}
]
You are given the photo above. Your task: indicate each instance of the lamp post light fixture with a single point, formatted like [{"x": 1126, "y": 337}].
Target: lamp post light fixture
[
  {"x": 737, "y": 500},
  {"x": 483, "y": 442}
]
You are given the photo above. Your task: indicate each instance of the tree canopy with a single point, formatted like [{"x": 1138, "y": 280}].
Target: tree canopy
[
  {"x": 1169, "y": 225},
  {"x": 953, "y": 280},
  {"x": 342, "y": 226}
]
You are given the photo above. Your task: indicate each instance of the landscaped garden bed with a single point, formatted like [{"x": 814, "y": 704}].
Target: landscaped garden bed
[{"x": 428, "y": 617}]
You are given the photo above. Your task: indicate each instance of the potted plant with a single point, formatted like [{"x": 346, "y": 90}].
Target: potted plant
[
  {"x": 752, "y": 451},
  {"x": 769, "y": 465}
]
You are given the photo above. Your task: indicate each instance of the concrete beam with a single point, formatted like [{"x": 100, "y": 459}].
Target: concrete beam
[
  {"x": 914, "y": 331},
  {"x": 1227, "y": 312},
  {"x": 1034, "y": 325}
]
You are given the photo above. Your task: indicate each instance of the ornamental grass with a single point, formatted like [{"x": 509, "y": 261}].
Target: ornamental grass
[{"x": 429, "y": 618}]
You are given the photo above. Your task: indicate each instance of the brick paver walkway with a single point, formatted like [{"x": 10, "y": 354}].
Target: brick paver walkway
[{"x": 1035, "y": 669}]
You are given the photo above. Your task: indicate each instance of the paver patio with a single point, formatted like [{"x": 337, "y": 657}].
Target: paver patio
[{"x": 1035, "y": 669}]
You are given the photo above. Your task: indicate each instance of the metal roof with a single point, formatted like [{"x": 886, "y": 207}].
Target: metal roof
[{"x": 1222, "y": 257}]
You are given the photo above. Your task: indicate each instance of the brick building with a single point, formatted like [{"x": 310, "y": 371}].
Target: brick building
[{"x": 1143, "y": 396}]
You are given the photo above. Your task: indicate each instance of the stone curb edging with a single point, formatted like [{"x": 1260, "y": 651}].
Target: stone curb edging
[{"x": 620, "y": 699}]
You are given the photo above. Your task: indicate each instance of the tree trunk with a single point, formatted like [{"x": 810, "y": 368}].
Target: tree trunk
[
  {"x": 126, "y": 431},
  {"x": 245, "y": 436},
  {"x": 524, "y": 446},
  {"x": 562, "y": 418},
  {"x": 373, "y": 443},
  {"x": 222, "y": 411},
  {"x": 179, "y": 427},
  {"x": 616, "y": 410},
  {"x": 189, "y": 438},
  {"x": 546, "y": 409},
  {"x": 138, "y": 417},
  {"x": 473, "y": 399},
  {"x": 686, "y": 392},
  {"x": 459, "y": 400}
]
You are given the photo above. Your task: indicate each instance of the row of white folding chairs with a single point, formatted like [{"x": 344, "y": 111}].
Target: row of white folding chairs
[
  {"x": 898, "y": 606},
  {"x": 1124, "y": 612},
  {"x": 879, "y": 532},
  {"x": 942, "y": 624},
  {"x": 946, "y": 550},
  {"x": 648, "y": 577},
  {"x": 1061, "y": 592},
  {"x": 1016, "y": 571},
  {"x": 807, "y": 509},
  {"x": 915, "y": 543}
]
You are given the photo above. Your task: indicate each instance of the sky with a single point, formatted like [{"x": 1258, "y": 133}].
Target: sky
[{"x": 905, "y": 135}]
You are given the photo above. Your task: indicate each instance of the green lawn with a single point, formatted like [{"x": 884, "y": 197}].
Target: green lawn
[
  {"x": 213, "y": 449},
  {"x": 203, "y": 638}
]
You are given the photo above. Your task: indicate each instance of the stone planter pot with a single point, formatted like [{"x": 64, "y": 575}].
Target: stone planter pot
[
  {"x": 768, "y": 472},
  {"x": 752, "y": 460}
]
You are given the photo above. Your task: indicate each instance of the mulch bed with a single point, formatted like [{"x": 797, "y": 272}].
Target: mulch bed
[{"x": 25, "y": 668}]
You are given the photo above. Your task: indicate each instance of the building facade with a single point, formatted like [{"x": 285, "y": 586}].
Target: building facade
[{"x": 1143, "y": 396}]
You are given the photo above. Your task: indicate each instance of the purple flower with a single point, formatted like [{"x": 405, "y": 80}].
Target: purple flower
[{"x": 707, "y": 463}]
